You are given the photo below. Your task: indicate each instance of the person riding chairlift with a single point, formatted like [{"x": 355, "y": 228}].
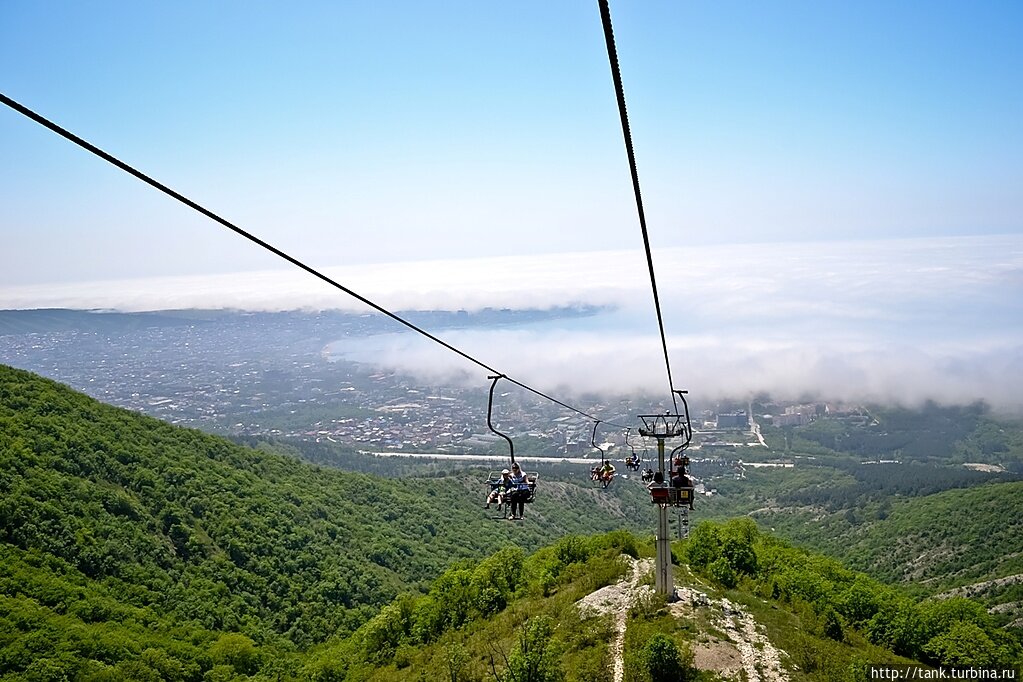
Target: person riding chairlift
[
  {"x": 519, "y": 491},
  {"x": 681, "y": 480},
  {"x": 503, "y": 487},
  {"x": 607, "y": 472}
]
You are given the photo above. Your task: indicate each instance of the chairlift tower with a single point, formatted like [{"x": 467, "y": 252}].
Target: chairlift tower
[{"x": 665, "y": 427}]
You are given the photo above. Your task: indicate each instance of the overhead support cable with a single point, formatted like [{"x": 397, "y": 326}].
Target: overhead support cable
[
  {"x": 109, "y": 158},
  {"x": 593, "y": 441},
  {"x": 616, "y": 74},
  {"x": 490, "y": 410}
]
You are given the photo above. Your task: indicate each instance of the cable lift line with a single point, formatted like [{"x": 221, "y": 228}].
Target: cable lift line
[
  {"x": 634, "y": 461},
  {"x": 512, "y": 487},
  {"x": 605, "y": 473},
  {"x": 111, "y": 159},
  {"x": 616, "y": 74},
  {"x": 593, "y": 440},
  {"x": 490, "y": 410}
]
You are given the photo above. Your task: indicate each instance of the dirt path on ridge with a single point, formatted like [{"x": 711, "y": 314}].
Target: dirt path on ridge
[
  {"x": 616, "y": 600},
  {"x": 747, "y": 648},
  {"x": 747, "y": 651}
]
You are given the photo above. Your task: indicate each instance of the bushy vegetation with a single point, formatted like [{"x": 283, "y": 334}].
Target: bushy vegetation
[
  {"x": 120, "y": 534},
  {"x": 134, "y": 550},
  {"x": 665, "y": 661},
  {"x": 834, "y": 602},
  {"x": 927, "y": 522},
  {"x": 506, "y": 614},
  {"x": 928, "y": 543}
]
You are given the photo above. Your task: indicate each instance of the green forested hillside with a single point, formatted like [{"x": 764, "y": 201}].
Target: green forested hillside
[
  {"x": 135, "y": 550},
  {"x": 918, "y": 516},
  {"x": 935, "y": 541},
  {"x": 514, "y": 617},
  {"x": 119, "y": 524},
  {"x": 845, "y": 607}
]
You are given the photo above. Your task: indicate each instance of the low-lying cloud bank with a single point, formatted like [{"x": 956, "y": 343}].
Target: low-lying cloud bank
[
  {"x": 893, "y": 321},
  {"x": 718, "y": 367}
]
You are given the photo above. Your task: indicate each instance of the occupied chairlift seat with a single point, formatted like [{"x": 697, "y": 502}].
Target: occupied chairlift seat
[
  {"x": 667, "y": 496},
  {"x": 526, "y": 493}
]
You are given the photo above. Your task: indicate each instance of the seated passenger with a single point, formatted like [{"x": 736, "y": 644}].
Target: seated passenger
[
  {"x": 500, "y": 489},
  {"x": 519, "y": 493},
  {"x": 681, "y": 480},
  {"x": 607, "y": 472}
]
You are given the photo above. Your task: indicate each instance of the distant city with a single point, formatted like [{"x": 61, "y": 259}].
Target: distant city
[{"x": 270, "y": 374}]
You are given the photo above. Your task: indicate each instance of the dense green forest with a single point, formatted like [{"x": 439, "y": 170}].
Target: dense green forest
[
  {"x": 111, "y": 517},
  {"x": 917, "y": 516},
  {"x": 841, "y": 605},
  {"x": 931, "y": 543},
  {"x": 132, "y": 549},
  {"x": 513, "y": 616}
]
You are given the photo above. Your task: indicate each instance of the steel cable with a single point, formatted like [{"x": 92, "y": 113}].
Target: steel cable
[
  {"x": 25, "y": 111},
  {"x": 616, "y": 74}
]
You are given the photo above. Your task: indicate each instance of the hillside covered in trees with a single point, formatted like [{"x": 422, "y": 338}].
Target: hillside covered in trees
[
  {"x": 132, "y": 549},
  {"x": 124, "y": 533},
  {"x": 931, "y": 498}
]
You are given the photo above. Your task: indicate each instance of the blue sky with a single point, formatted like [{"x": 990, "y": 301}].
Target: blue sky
[
  {"x": 369, "y": 132},
  {"x": 833, "y": 190}
]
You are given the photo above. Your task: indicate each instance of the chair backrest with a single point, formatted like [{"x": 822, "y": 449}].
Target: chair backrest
[
  {"x": 660, "y": 494},
  {"x": 493, "y": 479},
  {"x": 531, "y": 480}
]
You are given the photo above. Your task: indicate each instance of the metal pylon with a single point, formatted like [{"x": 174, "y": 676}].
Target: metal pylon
[{"x": 663, "y": 427}]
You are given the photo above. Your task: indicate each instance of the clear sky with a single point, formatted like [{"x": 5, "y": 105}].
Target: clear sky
[
  {"x": 369, "y": 132},
  {"x": 834, "y": 190}
]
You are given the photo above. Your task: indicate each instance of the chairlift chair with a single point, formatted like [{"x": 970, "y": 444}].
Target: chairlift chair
[
  {"x": 668, "y": 495},
  {"x": 526, "y": 492},
  {"x": 634, "y": 461},
  {"x": 665, "y": 495},
  {"x": 601, "y": 480}
]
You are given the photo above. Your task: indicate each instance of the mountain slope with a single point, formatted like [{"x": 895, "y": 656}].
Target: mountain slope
[
  {"x": 751, "y": 607},
  {"x": 191, "y": 535},
  {"x": 932, "y": 542},
  {"x": 132, "y": 549}
]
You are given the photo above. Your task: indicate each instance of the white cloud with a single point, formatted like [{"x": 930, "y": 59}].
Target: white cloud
[{"x": 900, "y": 320}]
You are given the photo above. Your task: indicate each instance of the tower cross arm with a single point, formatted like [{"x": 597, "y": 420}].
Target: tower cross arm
[{"x": 661, "y": 426}]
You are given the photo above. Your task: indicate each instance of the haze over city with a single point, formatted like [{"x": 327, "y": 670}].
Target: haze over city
[{"x": 900, "y": 321}]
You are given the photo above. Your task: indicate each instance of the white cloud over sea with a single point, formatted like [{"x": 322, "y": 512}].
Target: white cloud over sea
[{"x": 894, "y": 320}]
